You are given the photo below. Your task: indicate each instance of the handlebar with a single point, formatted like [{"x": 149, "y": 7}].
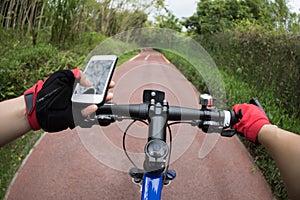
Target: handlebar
[
  {"x": 209, "y": 120},
  {"x": 156, "y": 110},
  {"x": 158, "y": 113},
  {"x": 175, "y": 113}
]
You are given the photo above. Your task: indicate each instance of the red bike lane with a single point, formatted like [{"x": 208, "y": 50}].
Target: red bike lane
[{"x": 90, "y": 163}]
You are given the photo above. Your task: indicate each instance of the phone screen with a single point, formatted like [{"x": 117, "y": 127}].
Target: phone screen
[{"x": 97, "y": 73}]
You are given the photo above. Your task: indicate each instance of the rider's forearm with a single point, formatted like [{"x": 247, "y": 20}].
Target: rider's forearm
[
  {"x": 284, "y": 147},
  {"x": 13, "y": 121}
]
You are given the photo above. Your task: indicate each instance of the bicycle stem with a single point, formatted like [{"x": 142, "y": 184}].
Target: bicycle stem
[
  {"x": 158, "y": 120},
  {"x": 156, "y": 149}
]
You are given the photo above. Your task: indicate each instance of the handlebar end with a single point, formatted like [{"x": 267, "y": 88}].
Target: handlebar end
[{"x": 235, "y": 117}]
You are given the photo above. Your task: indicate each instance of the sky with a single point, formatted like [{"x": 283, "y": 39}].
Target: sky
[
  {"x": 295, "y": 5},
  {"x": 186, "y": 8}
]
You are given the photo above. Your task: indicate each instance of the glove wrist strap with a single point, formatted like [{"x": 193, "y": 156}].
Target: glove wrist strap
[{"x": 30, "y": 96}]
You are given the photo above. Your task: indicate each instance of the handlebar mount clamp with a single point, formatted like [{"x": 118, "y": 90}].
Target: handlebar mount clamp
[{"x": 157, "y": 95}]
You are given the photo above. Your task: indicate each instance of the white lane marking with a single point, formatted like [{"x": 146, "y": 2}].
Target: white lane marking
[
  {"x": 147, "y": 57},
  {"x": 134, "y": 57},
  {"x": 166, "y": 60}
]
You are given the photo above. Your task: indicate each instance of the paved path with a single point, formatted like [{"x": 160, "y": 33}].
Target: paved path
[{"x": 89, "y": 163}]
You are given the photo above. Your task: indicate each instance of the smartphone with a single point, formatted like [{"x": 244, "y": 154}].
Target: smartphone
[{"x": 98, "y": 71}]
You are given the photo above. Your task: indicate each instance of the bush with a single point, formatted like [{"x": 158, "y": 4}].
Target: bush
[
  {"x": 22, "y": 64},
  {"x": 21, "y": 68},
  {"x": 267, "y": 61}
]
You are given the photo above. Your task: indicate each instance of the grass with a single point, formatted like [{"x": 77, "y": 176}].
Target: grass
[
  {"x": 127, "y": 56},
  {"x": 11, "y": 157}
]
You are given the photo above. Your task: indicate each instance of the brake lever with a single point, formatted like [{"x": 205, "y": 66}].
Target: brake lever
[
  {"x": 105, "y": 120},
  {"x": 228, "y": 133},
  {"x": 255, "y": 102}
]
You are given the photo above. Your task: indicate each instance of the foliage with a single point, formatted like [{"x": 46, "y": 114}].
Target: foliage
[
  {"x": 107, "y": 17},
  {"x": 127, "y": 56},
  {"x": 268, "y": 58},
  {"x": 24, "y": 16},
  {"x": 68, "y": 19},
  {"x": 25, "y": 66},
  {"x": 22, "y": 64},
  {"x": 62, "y": 14},
  {"x": 218, "y": 16},
  {"x": 263, "y": 64},
  {"x": 294, "y": 23},
  {"x": 241, "y": 93},
  {"x": 168, "y": 20}
]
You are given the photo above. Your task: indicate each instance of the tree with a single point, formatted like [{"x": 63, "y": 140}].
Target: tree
[
  {"x": 168, "y": 20},
  {"x": 62, "y": 15},
  {"x": 294, "y": 23},
  {"x": 217, "y": 16},
  {"x": 25, "y": 17},
  {"x": 67, "y": 19}
]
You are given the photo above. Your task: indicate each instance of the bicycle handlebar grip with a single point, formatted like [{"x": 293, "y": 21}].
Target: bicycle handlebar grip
[
  {"x": 134, "y": 110},
  {"x": 235, "y": 117}
]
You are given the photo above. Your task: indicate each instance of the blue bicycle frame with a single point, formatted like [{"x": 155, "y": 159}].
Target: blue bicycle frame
[{"x": 152, "y": 187}]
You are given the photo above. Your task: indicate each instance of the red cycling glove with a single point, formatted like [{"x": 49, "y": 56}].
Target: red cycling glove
[
  {"x": 53, "y": 96},
  {"x": 252, "y": 121}
]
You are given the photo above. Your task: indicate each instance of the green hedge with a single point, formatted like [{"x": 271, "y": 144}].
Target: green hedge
[
  {"x": 22, "y": 64},
  {"x": 267, "y": 61}
]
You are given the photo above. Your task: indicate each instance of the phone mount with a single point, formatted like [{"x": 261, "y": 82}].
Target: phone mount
[{"x": 157, "y": 95}]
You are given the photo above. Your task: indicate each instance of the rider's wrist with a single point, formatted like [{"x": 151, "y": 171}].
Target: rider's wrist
[
  {"x": 22, "y": 113},
  {"x": 254, "y": 129},
  {"x": 266, "y": 131}
]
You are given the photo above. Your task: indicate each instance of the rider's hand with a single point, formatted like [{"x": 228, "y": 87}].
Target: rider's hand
[
  {"x": 252, "y": 121},
  {"x": 48, "y": 104}
]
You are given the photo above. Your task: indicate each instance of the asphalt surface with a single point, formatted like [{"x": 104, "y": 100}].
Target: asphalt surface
[{"x": 90, "y": 163}]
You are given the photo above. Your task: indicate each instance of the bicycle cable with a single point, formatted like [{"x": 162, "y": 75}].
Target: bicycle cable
[
  {"x": 124, "y": 140},
  {"x": 183, "y": 122},
  {"x": 170, "y": 140},
  {"x": 170, "y": 147}
]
